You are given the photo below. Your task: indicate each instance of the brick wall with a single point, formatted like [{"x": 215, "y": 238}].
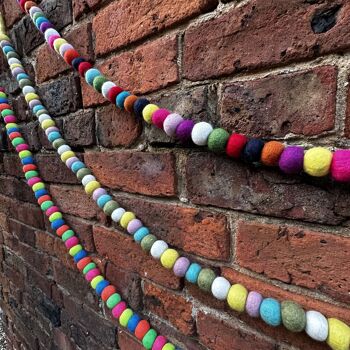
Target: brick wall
[{"x": 272, "y": 68}]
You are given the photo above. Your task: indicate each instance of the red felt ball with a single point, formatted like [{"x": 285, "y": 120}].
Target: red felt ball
[
  {"x": 29, "y": 167},
  {"x": 14, "y": 134},
  {"x": 22, "y": 3},
  {"x": 113, "y": 93},
  {"x": 69, "y": 55},
  {"x": 4, "y": 106},
  {"x": 84, "y": 67},
  {"x": 44, "y": 198},
  {"x": 235, "y": 145}
]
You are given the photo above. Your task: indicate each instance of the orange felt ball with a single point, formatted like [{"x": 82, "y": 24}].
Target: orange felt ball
[
  {"x": 271, "y": 153},
  {"x": 129, "y": 103},
  {"x": 28, "y": 5},
  {"x": 69, "y": 55}
]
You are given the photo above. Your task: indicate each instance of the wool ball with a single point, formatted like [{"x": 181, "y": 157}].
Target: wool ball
[
  {"x": 87, "y": 178},
  {"x": 184, "y": 130},
  {"x": 120, "y": 98},
  {"x": 47, "y": 117},
  {"x": 129, "y": 103},
  {"x": 149, "y": 338},
  {"x": 133, "y": 322},
  {"x": 91, "y": 186},
  {"x": 205, "y": 279},
  {"x": 148, "y": 112},
  {"x": 169, "y": 346},
  {"x": 147, "y": 242},
  {"x": 293, "y": 316},
  {"x": 110, "y": 206},
  {"x": 139, "y": 105},
  {"x": 270, "y": 312},
  {"x": 237, "y": 297},
  {"x": 57, "y": 142},
  {"x": 181, "y": 266},
  {"x": 28, "y": 5},
  {"x": 169, "y": 258},
  {"x": 159, "y": 343},
  {"x": 66, "y": 155},
  {"x": 140, "y": 234},
  {"x": 47, "y": 123},
  {"x": 98, "y": 193},
  {"x": 171, "y": 123},
  {"x": 25, "y": 82},
  {"x": 81, "y": 173},
  {"x": 113, "y": 300},
  {"x": 27, "y": 89},
  {"x": 253, "y": 302},
  {"x": 271, "y": 153},
  {"x": 64, "y": 48},
  {"x": 62, "y": 149},
  {"x": 98, "y": 82},
  {"x": 126, "y": 218},
  {"x": 217, "y": 140},
  {"x": 117, "y": 214},
  {"x": 79, "y": 165},
  {"x": 316, "y": 326},
  {"x": 33, "y": 10},
  {"x": 340, "y": 168},
  {"x": 158, "y": 248},
  {"x": 159, "y": 116},
  {"x": 58, "y": 43},
  {"x": 317, "y": 161},
  {"x": 338, "y": 335},
  {"x": 292, "y": 160},
  {"x": 118, "y": 309},
  {"x": 91, "y": 74},
  {"x": 77, "y": 61},
  {"x": 220, "y": 288},
  {"x": 13, "y": 61},
  {"x": 125, "y": 317},
  {"x": 107, "y": 85},
  {"x": 134, "y": 225},
  {"x": 45, "y": 26},
  {"x": 52, "y": 39},
  {"x": 83, "y": 68},
  {"x": 235, "y": 145},
  {"x": 141, "y": 329},
  {"x": 252, "y": 151},
  {"x": 113, "y": 93},
  {"x": 200, "y": 133}
]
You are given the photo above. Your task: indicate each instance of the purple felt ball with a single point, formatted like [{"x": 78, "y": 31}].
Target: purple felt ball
[
  {"x": 181, "y": 266},
  {"x": 17, "y": 71},
  {"x": 171, "y": 123},
  {"x": 44, "y": 26},
  {"x": 98, "y": 193},
  {"x": 5, "y": 43},
  {"x": 70, "y": 160},
  {"x": 292, "y": 159},
  {"x": 34, "y": 103},
  {"x": 184, "y": 130},
  {"x": 134, "y": 225},
  {"x": 253, "y": 302}
]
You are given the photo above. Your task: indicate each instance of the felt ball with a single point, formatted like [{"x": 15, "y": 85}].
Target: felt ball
[
  {"x": 63, "y": 229},
  {"x": 205, "y": 279},
  {"x": 51, "y": 40},
  {"x": 14, "y": 60},
  {"x": 109, "y": 207},
  {"x": 141, "y": 329},
  {"x": 159, "y": 116},
  {"x": 95, "y": 281},
  {"x": 58, "y": 43},
  {"x": 134, "y": 225},
  {"x": 125, "y": 317},
  {"x": 64, "y": 48},
  {"x": 147, "y": 242},
  {"x": 87, "y": 178},
  {"x": 217, "y": 140},
  {"x": 98, "y": 82},
  {"x": 107, "y": 85},
  {"x": 57, "y": 141},
  {"x": 252, "y": 151},
  {"x": 66, "y": 155},
  {"x": 316, "y": 326},
  {"x": 193, "y": 272},
  {"x": 184, "y": 130},
  {"x": 120, "y": 99},
  {"x": 149, "y": 338},
  {"x": 148, "y": 112},
  {"x": 83, "y": 263},
  {"x": 98, "y": 193},
  {"x": 139, "y": 105},
  {"x": 101, "y": 286},
  {"x": 67, "y": 235},
  {"x": 340, "y": 167},
  {"x": 107, "y": 292},
  {"x": 74, "y": 250},
  {"x": 169, "y": 346},
  {"x": 113, "y": 93},
  {"x": 253, "y": 302},
  {"x": 292, "y": 160},
  {"x": 171, "y": 123},
  {"x": 133, "y": 322},
  {"x": 200, "y": 133},
  {"x": 83, "y": 68},
  {"x": 317, "y": 161},
  {"x": 158, "y": 248},
  {"x": 181, "y": 266},
  {"x": 62, "y": 149},
  {"x": 270, "y": 312},
  {"x": 91, "y": 187},
  {"x": 129, "y": 103},
  {"x": 169, "y": 258},
  {"x": 91, "y": 74},
  {"x": 293, "y": 316},
  {"x": 237, "y": 297},
  {"x": 220, "y": 288},
  {"x": 118, "y": 309},
  {"x": 45, "y": 26},
  {"x": 113, "y": 300},
  {"x": 117, "y": 214},
  {"x": 77, "y": 61},
  {"x": 126, "y": 218},
  {"x": 81, "y": 173},
  {"x": 159, "y": 343},
  {"x": 271, "y": 153},
  {"x": 25, "y": 82},
  {"x": 338, "y": 334},
  {"x": 70, "y": 55},
  {"x": 28, "y": 5},
  {"x": 140, "y": 234}
]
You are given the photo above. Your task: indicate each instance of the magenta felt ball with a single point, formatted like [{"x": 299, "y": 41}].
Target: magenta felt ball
[
  {"x": 184, "y": 130},
  {"x": 181, "y": 266},
  {"x": 340, "y": 168},
  {"x": 118, "y": 309},
  {"x": 253, "y": 302},
  {"x": 159, "y": 343},
  {"x": 292, "y": 160},
  {"x": 51, "y": 39},
  {"x": 159, "y": 116}
]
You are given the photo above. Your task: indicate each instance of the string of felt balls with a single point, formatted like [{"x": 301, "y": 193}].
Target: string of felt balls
[
  {"x": 274, "y": 313},
  {"x": 108, "y": 293},
  {"x": 317, "y": 161}
]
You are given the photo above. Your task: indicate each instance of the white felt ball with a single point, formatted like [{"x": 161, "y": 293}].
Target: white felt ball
[
  {"x": 34, "y": 9},
  {"x": 65, "y": 47},
  {"x": 158, "y": 248},
  {"x": 220, "y": 288},
  {"x": 200, "y": 133},
  {"x": 28, "y": 89},
  {"x": 106, "y": 87},
  {"x": 13, "y": 60},
  {"x": 316, "y": 326},
  {"x": 44, "y": 117},
  {"x": 117, "y": 214},
  {"x": 87, "y": 178},
  {"x": 50, "y": 32},
  {"x": 62, "y": 149}
]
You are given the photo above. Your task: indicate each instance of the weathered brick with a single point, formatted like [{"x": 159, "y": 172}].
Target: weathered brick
[
  {"x": 296, "y": 256},
  {"x": 134, "y": 70},
  {"x": 143, "y": 18},
  {"x": 23, "y": 233},
  {"x": 127, "y": 342},
  {"x": 275, "y": 106},
  {"x": 81, "y": 6},
  {"x": 228, "y": 184},
  {"x": 135, "y": 171},
  {"x": 169, "y": 306},
  {"x": 12, "y": 165},
  {"x": 11, "y": 12},
  {"x": 242, "y": 37},
  {"x": 91, "y": 98},
  {"x": 15, "y": 188}
]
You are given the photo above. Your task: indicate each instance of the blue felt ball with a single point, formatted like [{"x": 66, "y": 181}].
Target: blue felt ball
[
  {"x": 21, "y": 76},
  {"x": 38, "y": 108},
  {"x": 252, "y": 151},
  {"x": 27, "y": 160},
  {"x": 139, "y": 105},
  {"x": 121, "y": 98},
  {"x": 102, "y": 200},
  {"x": 80, "y": 255},
  {"x": 77, "y": 61},
  {"x": 140, "y": 234},
  {"x": 193, "y": 272},
  {"x": 270, "y": 312},
  {"x": 3, "y": 100},
  {"x": 91, "y": 74},
  {"x": 133, "y": 322},
  {"x": 57, "y": 224},
  {"x": 77, "y": 166},
  {"x": 41, "y": 20},
  {"x": 101, "y": 286},
  {"x": 39, "y": 193},
  {"x": 54, "y": 136}
]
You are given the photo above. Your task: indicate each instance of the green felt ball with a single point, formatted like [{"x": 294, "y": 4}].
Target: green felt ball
[
  {"x": 217, "y": 140},
  {"x": 42, "y": 111},
  {"x": 109, "y": 207},
  {"x": 25, "y": 82},
  {"x": 293, "y": 316},
  {"x": 58, "y": 143},
  {"x": 147, "y": 242},
  {"x": 83, "y": 172},
  {"x": 12, "y": 54},
  {"x": 205, "y": 279},
  {"x": 98, "y": 82},
  {"x": 149, "y": 338}
]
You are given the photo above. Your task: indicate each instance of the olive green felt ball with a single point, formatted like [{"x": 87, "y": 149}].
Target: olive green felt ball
[
  {"x": 205, "y": 279},
  {"x": 83, "y": 172},
  {"x": 147, "y": 242},
  {"x": 217, "y": 140},
  {"x": 293, "y": 316},
  {"x": 109, "y": 207},
  {"x": 98, "y": 82}
]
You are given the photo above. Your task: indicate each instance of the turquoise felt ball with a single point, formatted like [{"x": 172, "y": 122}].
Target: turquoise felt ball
[{"x": 270, "y": 312}]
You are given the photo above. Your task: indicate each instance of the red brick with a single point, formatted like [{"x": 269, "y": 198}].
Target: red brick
[
  {"x": 134, "y": 70},
  {"x": 135, "y": 171},
  {"x": 12, "y": 12},
  {"x": 12, "y": 165},
  {"x": 124, "y": 22},
  {"x": 15, "y": 188},
  {"x": 296, "y": 256},
  {"x": 81, "y": 6},
  {"x": 217, "y": 334},
  {"x": 79, "y": 37},
  {"x": 91, "y": 98},
  {"x": 275, "y": 106},
  {"x": 169, "y": 305},
  {"x": 4, "y": 226},
  {"x": 241, "y": 39},
  {"x": 126, "y": 254},
  {"x": 194, "y": 230},
  {"x": 23, "y": 233},
  {"x": 127, "y": 342},
  {"x": 116, "y": 128}
]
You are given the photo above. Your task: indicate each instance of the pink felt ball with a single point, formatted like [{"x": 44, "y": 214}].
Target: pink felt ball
[
  {"x": 52, "y": 210},
  {"x": 159, "y": 343},
  {"x": 92, "y": 274},
  {"x": 71, "y": 242},
  {"x": 340, "y": 168},
  {"x": 159, "y": 116},
  {"x": 22, "y": 147},
  {"x": 118, "y": 309},
  {"x": 33, "y": 181},
  {"x": 51, "y": 39}
]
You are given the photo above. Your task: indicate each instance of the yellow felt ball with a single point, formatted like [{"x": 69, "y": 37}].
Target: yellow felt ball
[
  {"x": 91, "y": 187},
  {"x": 66, "y": 155},
  {"x": 38, "y": 186},
  {"x": 95, "y": 281},
  {"x": 169, "y": 258},
  {"x": 317, "y": 161},
  {"x": 237, "y": 297},
  {"x": 148, "y": 111},
  {"x": 76, "y": 249},
  {"x": 126, "y": 218},
  {"x": 15, "y": 65},
  {"x": 31, "y": 96},
  {"x": 338, "y": 335},
  {"x": 58, "y": 43},
  {"x": 4, "y": 37},
  {"x": 11, "y": 125},
  {"x": 47, "y": 123}
]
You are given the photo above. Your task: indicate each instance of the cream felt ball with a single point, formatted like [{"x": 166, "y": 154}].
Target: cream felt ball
[{"x": 200, "y": 133}]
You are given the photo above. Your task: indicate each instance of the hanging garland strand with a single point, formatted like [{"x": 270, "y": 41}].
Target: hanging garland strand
[
  {"x": 317, "y": 161},
  {"x": 239, "y": 299},
  {"x": 108, "y": 293}
]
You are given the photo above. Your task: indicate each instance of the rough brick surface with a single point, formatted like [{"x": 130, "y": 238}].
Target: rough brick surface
[
  {"x": 81, "y": 6},
  {"x": 12, "y": 12}
]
